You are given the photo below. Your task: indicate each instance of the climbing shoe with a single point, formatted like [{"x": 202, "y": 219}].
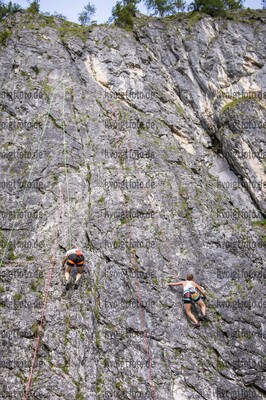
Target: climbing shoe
[
  {"x": 196, "y": 326},
  {"x": 67, "y": 286},
  {"x": 76, "y": 286}
]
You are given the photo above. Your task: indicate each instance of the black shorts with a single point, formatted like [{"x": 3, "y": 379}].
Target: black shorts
[
  {"x": 70, "y": 266},
  {"x": 187, "y": 299}
]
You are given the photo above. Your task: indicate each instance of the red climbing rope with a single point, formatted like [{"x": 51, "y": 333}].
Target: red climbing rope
[
  {"x": 133, "y": 263},
  {"x": 46, "y": 294}
]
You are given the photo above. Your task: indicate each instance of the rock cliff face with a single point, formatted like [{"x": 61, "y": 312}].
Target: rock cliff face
[{"x": 147, "y": 150}]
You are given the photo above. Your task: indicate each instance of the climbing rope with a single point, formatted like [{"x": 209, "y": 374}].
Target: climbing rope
[
  {"x": 66, "y": 171},
  {"x": 46, "y": 294},
  {"x": 133, "y": 263},
  {"x": 54, "y": 248}
]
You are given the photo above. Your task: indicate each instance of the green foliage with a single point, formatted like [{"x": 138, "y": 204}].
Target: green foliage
[
  {"x": 47, "y": 89},
  {"x": 35, "y": 283},
  {"x": 118, "y": 385},
  {"x": 161, "y": 7},
  {"x": 67, "y": 324},
  {"x": 233, "y": 4},
  {"x": 7, "y": 246},
  {"x": 65, "y": 369},
  {"x": 34, "y": 7},
  {"x": 85, "y": 16},
  {"x": 99, "y": 383},
  {"x": 101, "y": 200},
  {"x": 70, "y": 29},
  {"x": 79, "y": 396},
  {"x": 99, "y": 103},
  {"x": 123, "y": 13},
  {"x": 9, "y": 8},
  {"x": 180, "y": 5},
  {"x": 55, "y": 14},
  {"x": 215, "y": 7},
  {"x": 261, "y": 223},
  {"x": 21, "y": 377},
  {"x": 18, "y": 297},
  {"x": 98, "y": 339},
  {"x": 35, "y": 328},
  {"x": 81, "y": 334},
  {"x": 220, "y": 365},
  {"x": 233, "y": 103}
]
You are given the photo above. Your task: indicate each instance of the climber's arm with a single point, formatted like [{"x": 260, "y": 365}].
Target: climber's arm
[
  {"x": 200, "y": 290},
  {"x": 64, "y": 261},
  {"x": 175, "y": 283}
]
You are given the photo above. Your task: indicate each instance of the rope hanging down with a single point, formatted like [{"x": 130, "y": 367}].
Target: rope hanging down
[
  {"x": 133, "y": 263},
  {"x": 46, "y": 293},
  {"x": 55, "y": 245},
  {"x": 66, "y": 173}
]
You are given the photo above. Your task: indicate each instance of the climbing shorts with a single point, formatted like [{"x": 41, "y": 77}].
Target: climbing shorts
[
  {"x": 70, "y": 266},
  {"x": 187, "y": 298}
]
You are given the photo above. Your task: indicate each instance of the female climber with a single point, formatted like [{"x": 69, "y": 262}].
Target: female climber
[{"x": 192, "y": 293}]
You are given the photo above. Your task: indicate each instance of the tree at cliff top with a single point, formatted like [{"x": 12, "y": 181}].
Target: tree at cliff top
[
  {"x": 215, "y": 7},
  {"x": 180, "y": 5},
  {"x": 123, "y": 13},
  {"x": 34, "y": 6},
  {"x": 9, "y": 8},
  {"x": 161, "y": 7},
  {"x": 85, "y": 16}
]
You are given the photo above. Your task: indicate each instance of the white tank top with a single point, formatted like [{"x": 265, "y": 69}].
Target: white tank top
[
  {"x": 72, "y": 251},
  {"x": 188, "y": 285}
]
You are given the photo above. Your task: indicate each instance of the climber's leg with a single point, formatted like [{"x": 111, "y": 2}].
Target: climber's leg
[{"x": 189, "y": 313}]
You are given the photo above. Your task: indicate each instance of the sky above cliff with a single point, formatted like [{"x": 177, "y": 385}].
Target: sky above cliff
[{"x": 71, "y": 9}]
